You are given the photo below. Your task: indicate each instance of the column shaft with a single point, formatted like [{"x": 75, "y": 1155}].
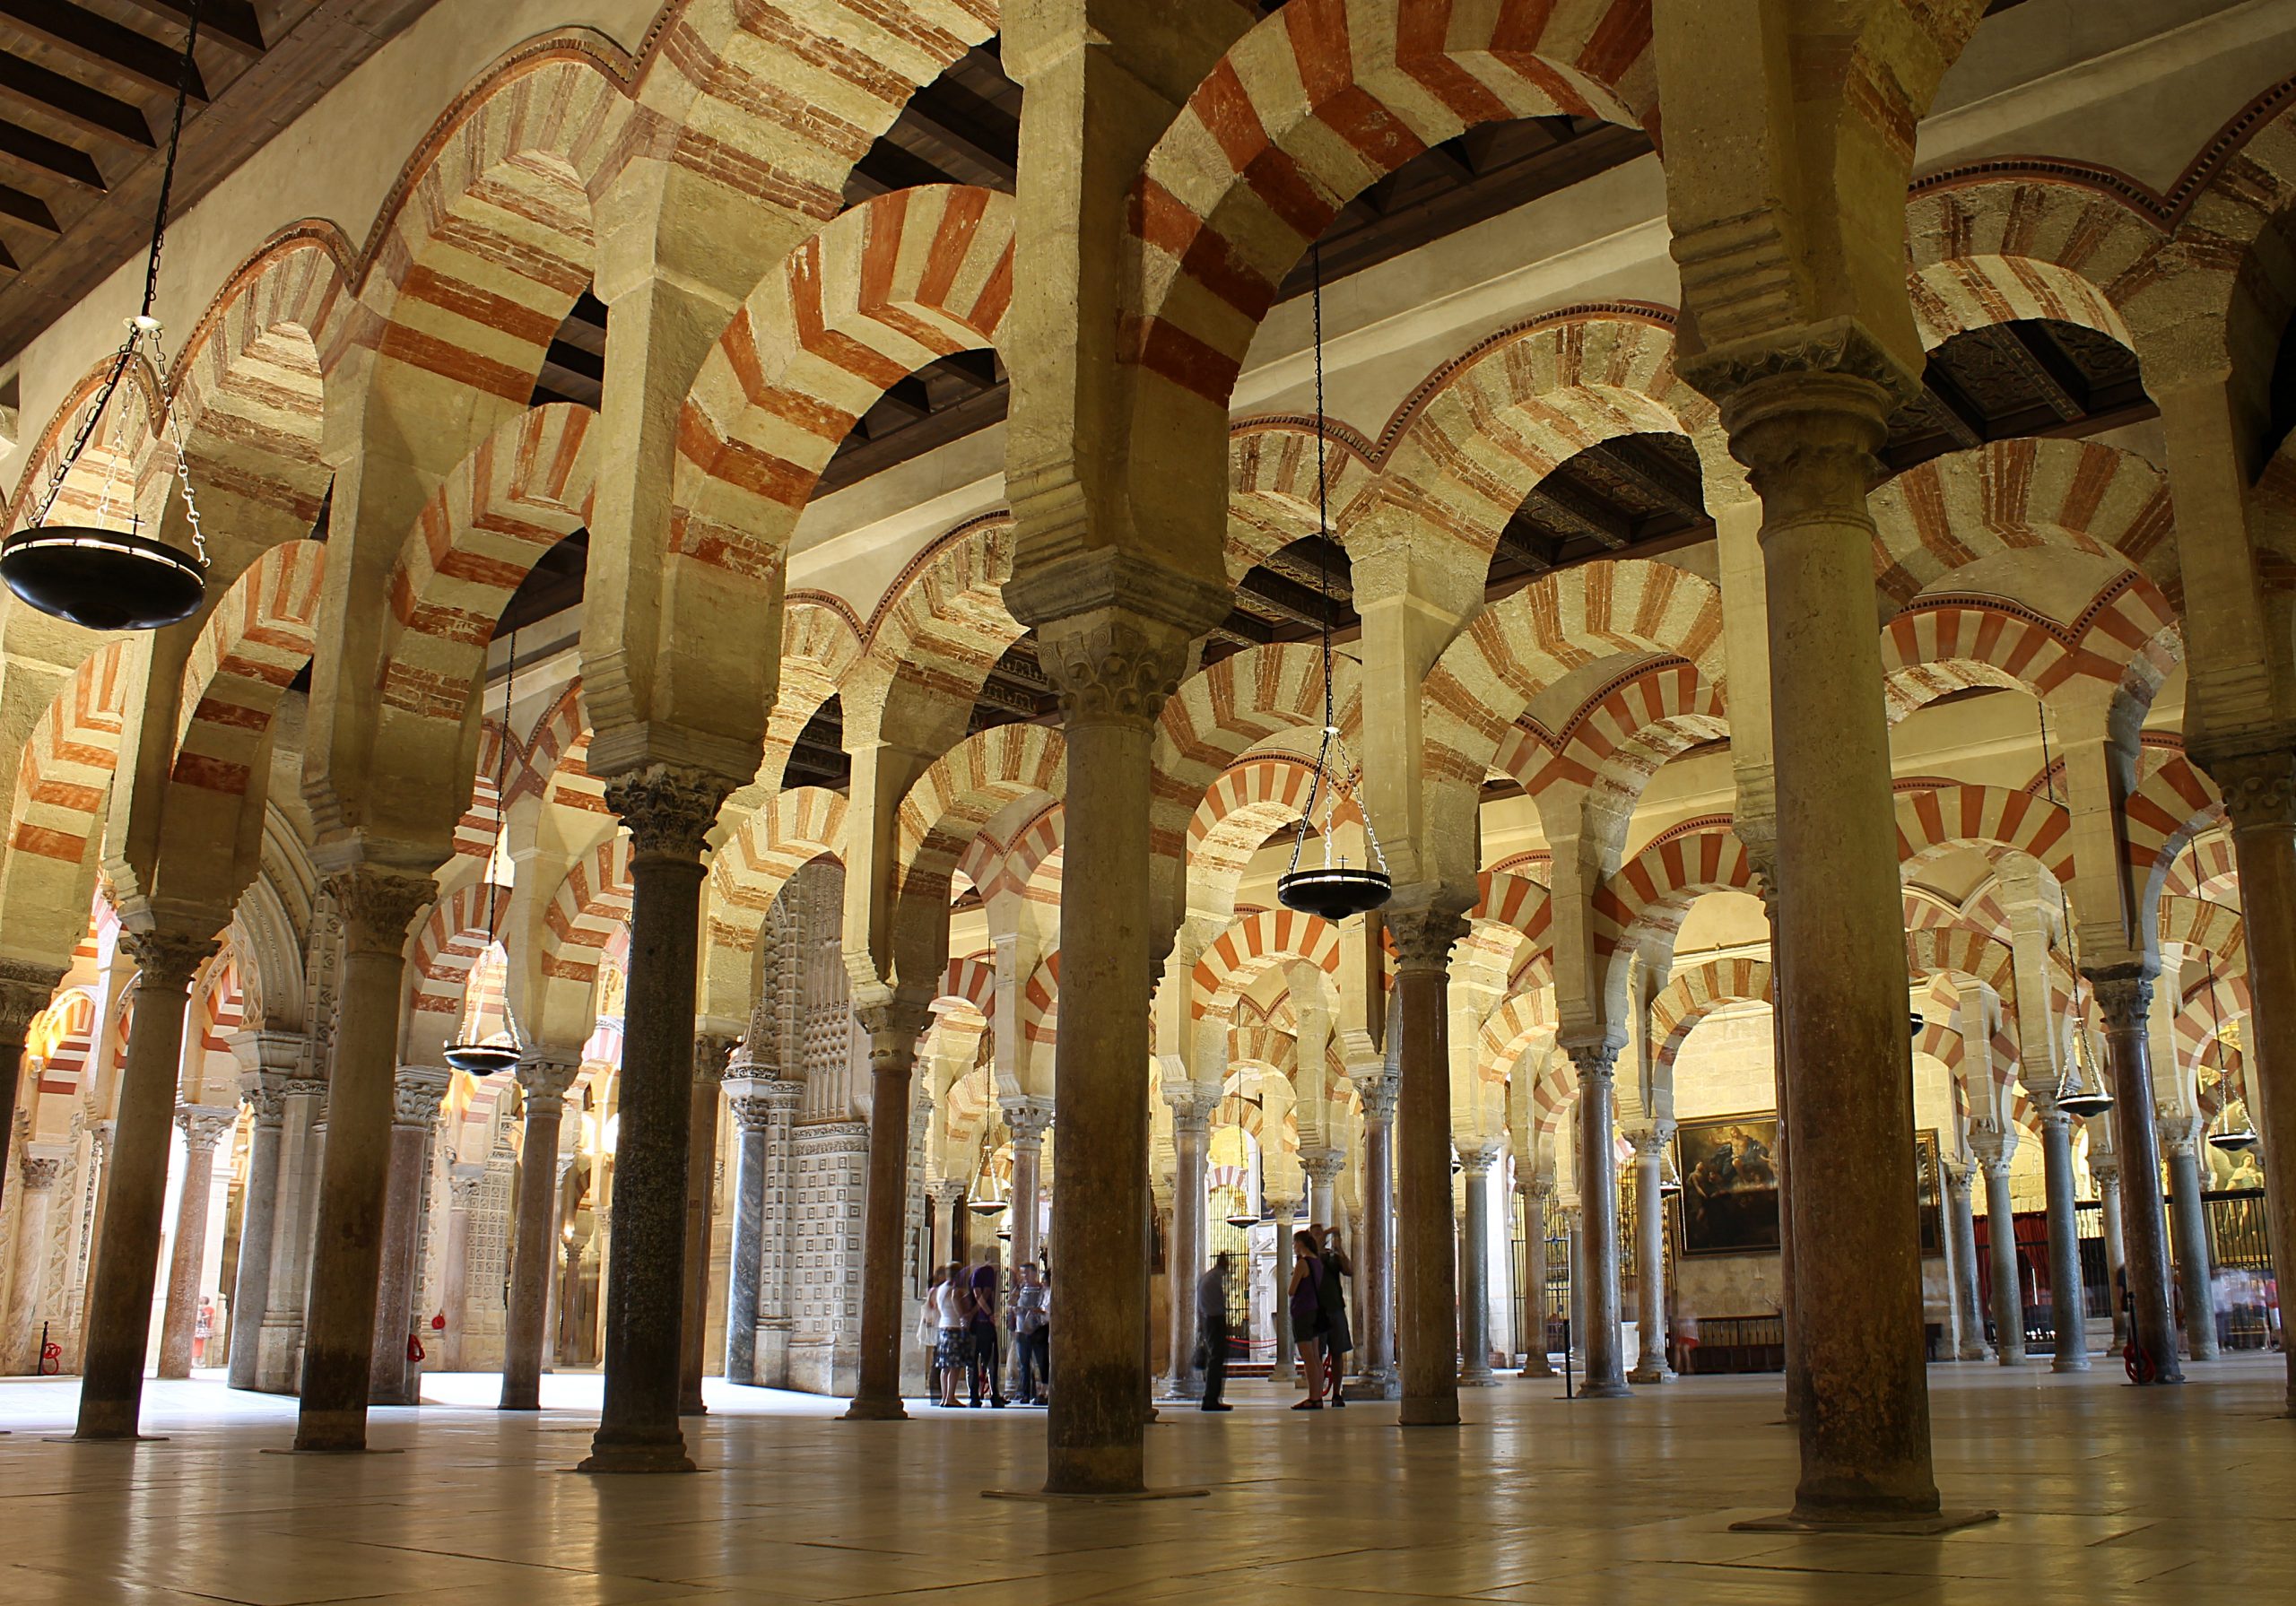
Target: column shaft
[
  {"x": 1536, "y": 1363},
  {"x": 35, "y": 1199},
  {"x": 1475, "y": 1269},
  {"x": 1650, "y": 1260},
  {"x": 1604, "y": 1344},
  {"x": 2068, "y": 1301},
  {"x": 2193, "y": 1279},
  {"x": 454, "y": 1278},
  {"x": 1424, "y": 1261},
  {"x": 2125, "y": 997},
  {"x": 1286, "y": 1372},
  {"x": 120, "y": 1305},
  {"x": 543, "y": 1078},
  {"x": 893, "y": 1030},
  {"x": 347, "y": 1247},
  {"x": 1960, "y": 1225},
  {"x": 258, "y": 1218},
  {"x": 2001, "y": 1244},
  {"x": 2108, "y": 1207},
  {"x": 1377, "y": 1314},
  {"x": 709, "y": 1052},
  {"x": 189, "y": 1261},
  {"x": 745, "y": 1258},
  {"x": 302, "y": 1143},
  {"x": 417, "y": 1092},
  {"x": 1185, "y": 1261}
]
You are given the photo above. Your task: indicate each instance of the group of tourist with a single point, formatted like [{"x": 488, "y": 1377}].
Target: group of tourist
[
  {"x": 1317, "y": 1308},
  {"x": 962, "y": 1326}
]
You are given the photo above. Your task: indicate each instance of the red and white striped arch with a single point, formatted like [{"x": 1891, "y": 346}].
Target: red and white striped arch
[
  {"x": 63, "y": 1037},
  {"x": 1520, "y": 1019},
  {"x": 1956, "y": 950},
  {"x": 254, "y": 643},
  {"x": 960, "y": 793},
  {"x": 971, "y": 980},
  {"x": 1521, "y": 906},
  {"x": 1251, "y": 947},
  {"x": 1948, "y": 644},
  {"x": 585, "y": 911},
  {"x": 2212, "y": 931},
  {"x": 1988, "y": 247},
  {"x": 762, "y": 852},
  {"x": 1625, "y": 732},
  {"x": 1313, "y": 104},
  {"x": 1992, "y": 818},
  {"x": 1220, "y": 713},
  {"x": 447, "y": 944},
  {"x": 941, "y": 628},
  {"x": 821, "y": 644},
  {"x": 1646, "y": 897},
  {"x": 1241, "y": 810},
  {"x": 1697, "y": 992},
  {"x": 2024, "y": 494},
  {"x": 63, "y": 792},
  {"x": 2205, "y": 869},
  {"x": 2173, "y": 804},
  {"x": 1272, "y": 486}
]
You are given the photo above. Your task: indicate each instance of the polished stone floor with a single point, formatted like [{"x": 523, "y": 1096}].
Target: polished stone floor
[{"x": 2108, "y": 1495}]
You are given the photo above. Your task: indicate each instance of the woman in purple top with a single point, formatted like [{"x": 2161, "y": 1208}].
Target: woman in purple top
[{"x": 1308, "y": 1315}]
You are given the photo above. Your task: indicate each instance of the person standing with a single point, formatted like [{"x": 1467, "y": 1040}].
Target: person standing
[
  {"x": 951, "y": 1310},
  {"x": 1339, "y": 1340},
  {"x": 1308, "y": 1314},
  {"x": 1212, "y": 1331},
  {"x": 1029, "y": 1332},
  {"x": 982, "y": 1328},
  {"x": 928, "y": 1330}
]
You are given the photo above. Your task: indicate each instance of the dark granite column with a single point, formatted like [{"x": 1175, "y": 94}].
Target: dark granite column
[
  {"x": 1476, "y": 1161},
  {"x": 1425, "y": 1265},
  {"x": 417, "y": 1092},
  {"x": 266, "y": 1092},
  {"x": 894, "y": 1028},
  {"x": 1596, "y": 1272},
  {"x": 2180, "y": 1141},
  {"x": 2125, "y": 999},
  {"x": 2067, "y": 1300},
  {"x": 753, "y": 1117},
  {"x": 710, "y": 1053},
  {"x": 1995, "y": 1150},
  {"x": 543, "y": 1076}
]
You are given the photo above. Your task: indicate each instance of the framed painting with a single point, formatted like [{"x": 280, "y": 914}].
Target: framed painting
[
  {"x": 1930, "y": 1177},
  {"x": 1729, "y": 1171}
]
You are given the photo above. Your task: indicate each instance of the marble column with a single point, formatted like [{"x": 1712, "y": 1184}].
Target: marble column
[
  {"x": 544, "y": 1074},
  {"x": 1323, "y": 1167},
  {"x": 1604, "y": 1344},
  {"x": 894, "y": 1026},
  {"x": 1424, "y": 1261},
  {"x": 2260, "y": 796},
  {"x": 1375, "y": 1321},
  {"x": 712, "y": 1050},
  {"x": 463, "y": 1184},
  {"x": 1650, "y": 1253},
  {"x": 1185, "y": 1261},
  {"x": 1536, "y": 1191},
  {"x": 376, "y": 903},
  {"x": 266, "y": 1097},
  {"x": 2125, "y": 999},
  {"x": 2106, "y": 1168},
  {"x": 2180, "y": 1141},
  {"x": 417, "y": 1092},
  {"x": 302, "y": 1147},
  {"x": 1996, "y": 1148},
  {"x": 1475, "y": 1265},
  {"x": 25, "y": 990},
  {"x": 1027, "y": 1119},
  {"x": 669, "y": 812},
  {"x": 35, "y": 1200},
  {"x": 1806, "y": 412},
  {"x": 752, "y": 1116},
  {"x": 120, "y": 1305},
  {"x": 1286, "y": 1373},
  {"x": 203, "y": 1127},
  {"x": 1961, "y": 1227},
  {"x": 2068, "y": 1302}
]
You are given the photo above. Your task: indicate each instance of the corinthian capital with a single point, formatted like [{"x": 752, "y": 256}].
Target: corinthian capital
[
  {"x": 206, "y": 1126},
  {"x": 1029, "y": 1117},
  {"x": 167, "y": 959},
  {"x": 544, "y": 1074},
  {"x": 1596, "y": 1061},
  {"x": 669, "y": 809},
  {"x": 376, "y": 903},
  {"x": 1113, "y": 664},
  {"x": 1425, "y": 933},
  {"x": 25, "y": 989},
  {"x": 895, "y": 1027},
  {"x": 416, "y": 1093},
  {"x": 2260, "y": 790},
  {"x": 713, "y": 1053},
  {"x": 2124, "y": 995}
]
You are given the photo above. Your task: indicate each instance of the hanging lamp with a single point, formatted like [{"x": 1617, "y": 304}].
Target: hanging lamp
[
  {"x": 478, "y": 1058},
  {"x": 986, "y": 1203},
  {"x": 1337, "y": 889},
  {"x": 2080, "y": 1086},
  {"x": 92, "y": 575},
  {"x": 2232, "y": 1140}
]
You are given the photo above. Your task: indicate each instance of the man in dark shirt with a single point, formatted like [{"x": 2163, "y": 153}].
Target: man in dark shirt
[
  {"x": 982, "y": 1328},
  {"x": 1212, "y": 1331}
]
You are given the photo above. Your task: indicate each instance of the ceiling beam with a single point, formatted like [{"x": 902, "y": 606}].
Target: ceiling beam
[
  {"x": 2059, "y": 379},
  {"x": 1559, "y": 500},
  {"x": 121, "y": 53},
  {"x": 1658, "y": 476},
  {"x": 28, "y": 210},
  {"x": 68, "y": 101},
  {"x": 45, "y": 161},
  {"x": 230, "y": 22},
  {"x": 1964, "y": 420}
]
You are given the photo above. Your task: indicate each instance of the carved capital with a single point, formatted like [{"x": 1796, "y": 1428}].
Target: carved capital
[
  {"x": 2124, "y": 996},
  {"x": 1425, "y": 933},
  {"x": 2180, "y": 1135},
  {"x": 1995, "y": 1145},
  {"x": 2106, "y": 1169},
  {"x": 1476, "y": 1156},
  {"x": 416, "y": 1093},
  {"x": 1539, "y": 1188},
  {"x": 895, "y": 1027},
  {"x": 1030, "y": 1117},
  {"x": 377, "y": 904},
  {"x": 40, "y": 1172},
  {"x": 1191, "y": 1106},
  {"x": 1322, "y": 1165},
  {"x": 752, "y": 1112},
  {"x": 713, "y": 1054},
  {"x": 1839, "y": 349},
  {"x": 1113, "y": 665},
  {"x": 1595, "y": 1061},
  {"x": 543, "y": 1075},
  {"x": 25, "y": 990},
  {"x": 206, "y": 1126},
  {"x": 266, "y": 1095},
  {"x": 1650, "y": 1141},
  {"x": 167, "y": 959},
  {"x": 1378, "y": 1094},
  {"x": 669, "y": 810},
  {"x": 1113, "y": 626},
  {"x": 463, "y": 1184},
  {"x": 303, "y": 1087},
  {"x": 2260, "y": 790}
]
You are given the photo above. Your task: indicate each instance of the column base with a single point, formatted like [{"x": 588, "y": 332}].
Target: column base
[
  {"x": 149, "y": 1438},
  {"x": 2069, "y": 1363},
  {"x": 1892, "y": 1524},
  {"x": 874, "y": 1411},
  {"x": 1481, "y": 1378},
  {"x": 646, "y": 1458},
  {"x": 1183, "y": 1388},
  {"x": 1537, "y": 1368},
  {"x": 332, "y": 1432},
  {"x": 1973, "y": 1352},
  {"x": 1604, "y": 1391},
  {"x": 1047, "y": 1497},
  {"x": 1656, "y": 1375},
  {"x": 1375, "y": 1386}
]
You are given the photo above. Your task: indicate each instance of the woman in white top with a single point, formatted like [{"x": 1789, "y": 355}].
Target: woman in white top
[{"x": 952, "y": 1309}]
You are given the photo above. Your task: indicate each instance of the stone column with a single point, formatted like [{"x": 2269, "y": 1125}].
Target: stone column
[
  {"x": 1286, "y": 1373},
  {"x": 543, "y": 1076},
  {"x": 1805, "y": 413},
  {"x": 669, "y": 812},
  {"x": 203, "y": 1126},
  {"x": 266, "y": 1096},
  {"x": 2125, "y": 999},
  {"x": 303, "y": 1144},
  {"x": 1536, "y": 1191},
  {"x": 1323, "y": 1167},
  {"x": 1961, "y": 1227},
  {"x": 35, "y": 1197},
  {"x": 463, "y": 1183},
  {"x": 753, "y": 1115},
  {"x": 1650, "y": 1253},
  {"x": 119, "y": 1305},
  {"x": 1604, "y": 1346},
  {"x": 710, "y": 1052},
  {"x": 376, "y": 903},
  {"x": 1377, "y": 1318},
  {"x": 25, "y": 989},
  {"x": 1994, "y": 1147},
  {"x": 2068, "y": 1303},
  {"x": 2180, "y": 1141},
  {"x": 2260, "y": 796},
  {"x": 2106, "y": 1169},
  {"x": 895, "y": 1027},
  {"x": 1185, "y": 1261},
  {"x": 417, "y": 1092},
  {"x": 1027, "y": 1118},
  {"x": 1424, "y": 1263},
  {"x": 1474, "y": 1265}
]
